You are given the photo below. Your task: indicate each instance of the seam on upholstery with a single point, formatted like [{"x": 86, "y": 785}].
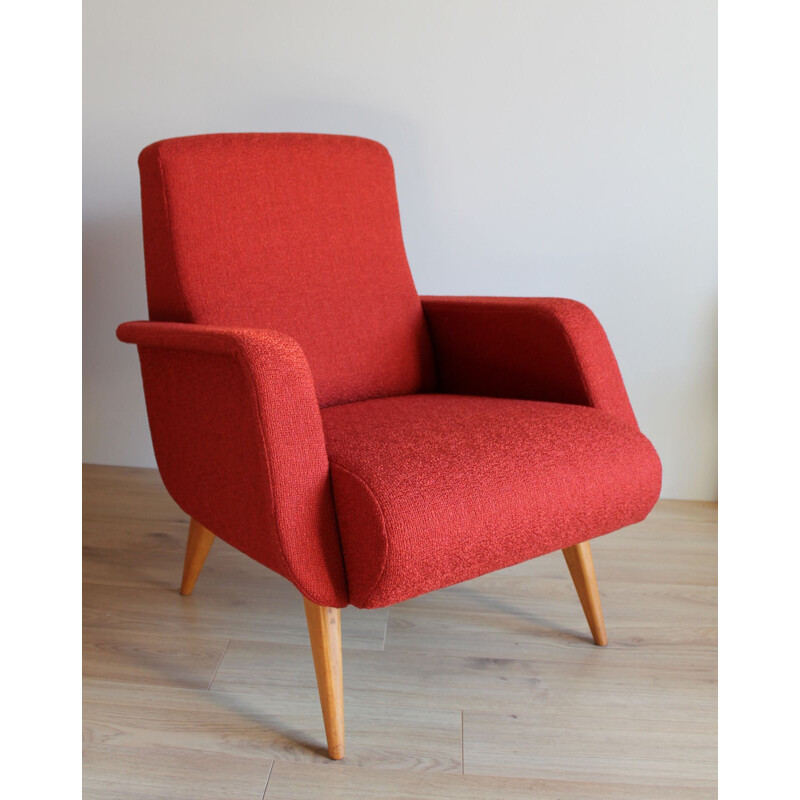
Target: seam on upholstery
[
  {"x": 184, "y": 302},
  {"x": 265, "y": 450},
  {"x": 385, "y": 559},
  {"x": 432, "y": 341},
  {"x": 573, "y": 351},
  {"x": 338, "y": 529}
]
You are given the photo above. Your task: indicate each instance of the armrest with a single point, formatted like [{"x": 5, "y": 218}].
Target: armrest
[
  {"x": 239, "y": 443},
  {"x": 537, "y": 349}
]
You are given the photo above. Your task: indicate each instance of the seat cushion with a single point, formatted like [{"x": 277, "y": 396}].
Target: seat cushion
[{"x": 431, "y": 490}]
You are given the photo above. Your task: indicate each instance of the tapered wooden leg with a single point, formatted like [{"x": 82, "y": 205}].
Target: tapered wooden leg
[
  {"x": 581, "y": 567},
  {"x": 200, "y": 541},
  {"x": 325, "y": 632}
]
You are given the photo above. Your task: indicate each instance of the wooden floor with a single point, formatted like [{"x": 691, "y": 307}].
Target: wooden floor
[{"x": 489, "y": 689}]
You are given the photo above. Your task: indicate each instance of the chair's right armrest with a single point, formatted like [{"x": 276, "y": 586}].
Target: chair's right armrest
[
  {"x": 543, "y": 348},
  {"x": 238, "y": 438}
]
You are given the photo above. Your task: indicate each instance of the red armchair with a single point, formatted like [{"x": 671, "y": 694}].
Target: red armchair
[{"x": 309, "y": 408}]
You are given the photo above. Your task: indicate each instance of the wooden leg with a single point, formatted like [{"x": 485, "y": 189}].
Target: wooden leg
[
  {"x": 200, "y": 541},
  {"x": 581, "y": 567},
  {"x": 325, "y": 632}
]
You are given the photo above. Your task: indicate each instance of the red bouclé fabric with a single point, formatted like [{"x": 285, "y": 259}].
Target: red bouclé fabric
[
  {"x": 295, "y": 232},
  {"x": 435, "y": 489},
  {"x": 308, "y": 408},
  {"x": 535, "y": 349},
  {"x": 240, "y": 447}
]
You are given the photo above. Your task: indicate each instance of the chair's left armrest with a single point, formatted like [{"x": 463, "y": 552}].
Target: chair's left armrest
[
  {"x": 548, "y": 349},
  {"x": 238, "y": 438}
]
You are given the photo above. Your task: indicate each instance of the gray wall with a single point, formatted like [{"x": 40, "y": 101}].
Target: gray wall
[{"x": 544, "y": 147}]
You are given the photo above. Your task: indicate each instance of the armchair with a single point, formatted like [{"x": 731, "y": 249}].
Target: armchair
[{"x": 310, "y": 409}]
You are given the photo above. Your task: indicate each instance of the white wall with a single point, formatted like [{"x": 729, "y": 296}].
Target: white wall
[{"x": 542, "y": 147}]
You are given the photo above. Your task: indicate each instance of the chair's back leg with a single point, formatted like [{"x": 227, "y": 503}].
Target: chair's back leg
[
  {"x": 325, "y": 633},
  {"x": 581, "y": 567},
  {"x": 200, "y": 541}
]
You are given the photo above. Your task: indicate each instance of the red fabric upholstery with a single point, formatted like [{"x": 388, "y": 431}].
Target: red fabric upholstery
[
  {"x": 278, "y": 284},
  {"x": 295, "y": 232},
  {"x": 435, "y": 489},
  {"x": 534, "y": 349},
  {"x": 238, "y": 439}
]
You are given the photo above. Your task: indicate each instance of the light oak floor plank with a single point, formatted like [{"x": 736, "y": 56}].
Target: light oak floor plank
[
  {"x": 640, "y": 747},
  {"x": 261, "y": 727},
  {"x": 125, "y": 655},
  {"x": 135, "y": 773},
  {"x": 290, "y": 781},
  {"x": 419, "y": 678}
]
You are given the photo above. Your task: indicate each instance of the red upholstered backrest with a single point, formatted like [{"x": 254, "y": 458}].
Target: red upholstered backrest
[{"x": 295, "y": 232}]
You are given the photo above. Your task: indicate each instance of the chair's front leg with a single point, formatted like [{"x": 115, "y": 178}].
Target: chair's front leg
[
  {"x": 581, "y": 567},
  {"x": 325, "y": 633},
  {"x": 200, "y": 541}
]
